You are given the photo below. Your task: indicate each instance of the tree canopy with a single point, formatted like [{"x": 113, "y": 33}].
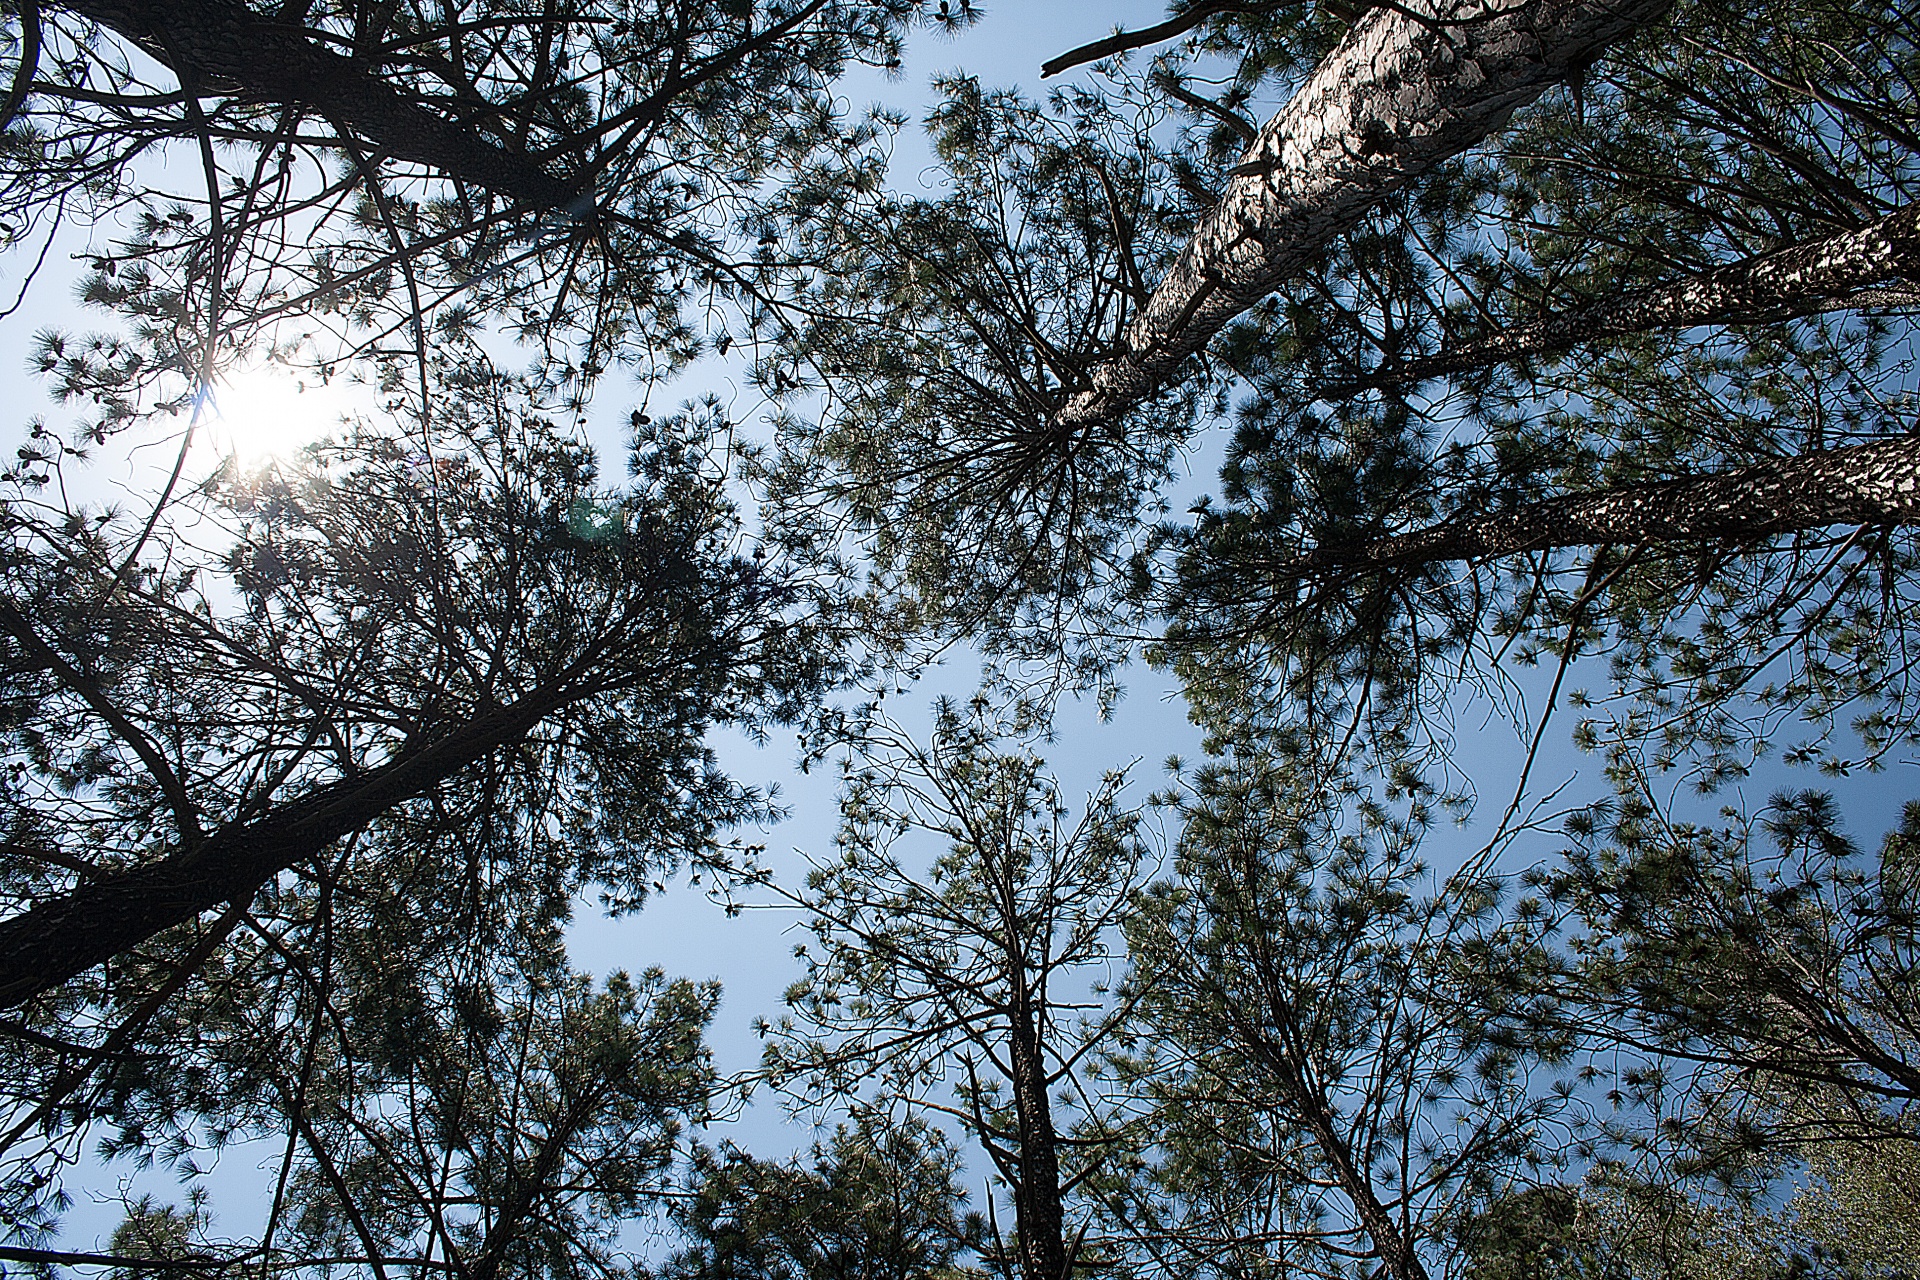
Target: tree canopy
[{"x": 1558, "y": 360}]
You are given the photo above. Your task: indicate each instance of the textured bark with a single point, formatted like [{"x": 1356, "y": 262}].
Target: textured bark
[
  {"x": 1876, "y": 483},
  {"x": 1805, "y": 279},
  {"x": 1409, "y": 87},
  {"x": 217, "y": 40},
  {"x": 58, "y": 938},
  {"x": 1040, "y": 1217}
]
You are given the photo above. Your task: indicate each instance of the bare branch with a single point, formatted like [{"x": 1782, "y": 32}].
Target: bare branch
[{"x": 1122, "y": 41}]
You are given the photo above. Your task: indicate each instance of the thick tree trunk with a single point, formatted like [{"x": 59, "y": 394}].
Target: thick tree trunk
[
  {"x": 218, "y": 40},
  {"x": 1039, "y": 1216},
  {"x": 1409, "y": 87},
  {"x": 1876, "y": 483},
  {"x": 1804, "y": 279},
  {"x": 58, "y": 938}
]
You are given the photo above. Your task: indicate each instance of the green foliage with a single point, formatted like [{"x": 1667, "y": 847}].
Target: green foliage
[
  {"x": 385, "y": 600},
  {"x": 1332, "y": 1068},
  {"x": 1774, "y": 955},
  {"x": 1622, "y": 1229},
  {"x": 1860, "y": 1207},
  {"x": 1745, "y": 993},
  {"x": 1691, "y": 146},
  {"x": 878, "y": 1202},
  {"x": 1853, "y": 1220},
  {"x": 943, "y": 333},
  {"x": 961, "y": 941},
  {"x": 1689, "y": 1048},
  {"x": 991, "y": 929},
  {"x": 236, "y": 223},
  {"x": 428, "y": 1101}
]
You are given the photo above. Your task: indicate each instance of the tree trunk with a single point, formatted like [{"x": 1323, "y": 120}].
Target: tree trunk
[
  {"x": 1876, "y": 483},
  {"x": 1395, "y": 1250},
  {"x": 1403, "y": 92},
  {"x": 1801, "y": 280},
  {"x": 1281, "y": 1042},
  {"x": 58, "y": 938},
  {"x": 1040, "y": 1220},
  {"x": 525, "y": 1189},
  {"x": 217, "y": 40}
]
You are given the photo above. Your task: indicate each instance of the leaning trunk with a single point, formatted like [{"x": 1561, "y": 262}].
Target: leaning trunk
[
  {"x": 1395, "y": 1250},
  {"x": 217, "y": 41},
  {"x": 1876, "y": 483},
  {"x": 59, "y": 938},
  {"x": 1410, "y": 86}
]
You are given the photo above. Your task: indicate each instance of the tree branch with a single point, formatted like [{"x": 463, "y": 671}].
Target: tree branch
[
  {"x": 1874, "y": 484},
  {"x": 217, "y": 40},
  {"x": 185, "y": 814},
  {"x": 1121, "y": 41},
  {"x": 63, "y": 1258},
  {"x": 60, "y": 937},
  {"x": 29, "y": 62},
  {"x": 1803, "y": 279}
]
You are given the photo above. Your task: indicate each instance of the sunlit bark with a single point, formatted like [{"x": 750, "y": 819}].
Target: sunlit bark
[
  {"x": 1409, "y": 87},
  {"x": 1876, "y": 483}
]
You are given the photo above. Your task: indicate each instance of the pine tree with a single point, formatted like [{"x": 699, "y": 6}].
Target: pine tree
[
  {"x": 438, "y": 1091},
  {"x": 976, "y": 965},
  {"x": 878, "y": 1201},
  {"x": 449, "y": 662},
  {"x": 1638, "y": 331},
  {"x": 314, "y": 182},
  {"x": 1332, "y": 1068},
  {"x": 396, "y": 614}
]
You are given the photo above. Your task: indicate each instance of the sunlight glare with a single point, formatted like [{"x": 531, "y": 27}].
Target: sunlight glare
[{"x": 269, "y": 413}]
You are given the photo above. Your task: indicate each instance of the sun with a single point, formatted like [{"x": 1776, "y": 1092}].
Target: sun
[{"x": 269, "y": 413}]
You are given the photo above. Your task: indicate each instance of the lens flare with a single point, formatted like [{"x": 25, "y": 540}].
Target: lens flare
[{"x": 269, "y": 413}]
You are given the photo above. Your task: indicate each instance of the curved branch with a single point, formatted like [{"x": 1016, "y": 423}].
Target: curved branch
[
  {"x": 1122, "y": 41},
  {"x": 29, "y": 62},
  {"x": 185, "y": 813},
  {"x": 1241, "y": 127}
]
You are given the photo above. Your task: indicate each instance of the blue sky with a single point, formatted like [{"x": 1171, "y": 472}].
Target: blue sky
[
  {"x": 682, "y": 931},
  {"x": 751, "y": 954}
]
